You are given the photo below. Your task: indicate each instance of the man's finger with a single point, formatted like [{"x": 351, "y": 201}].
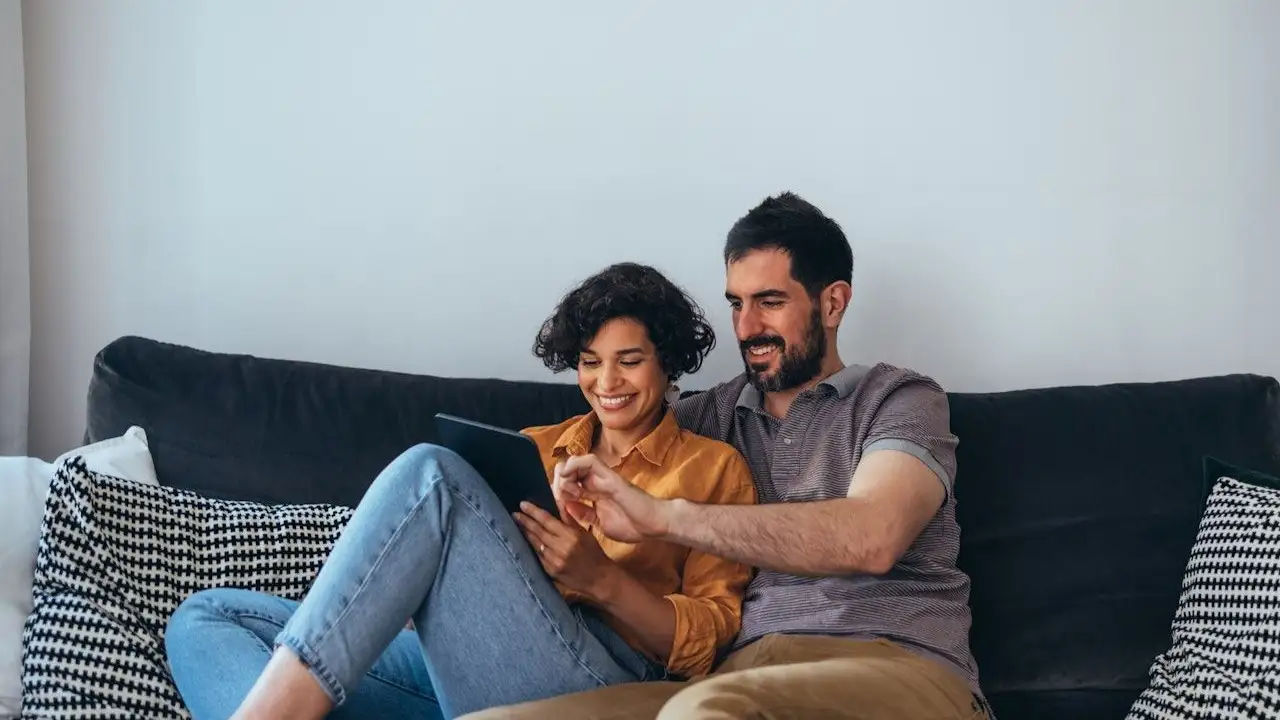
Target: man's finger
[
  {"x": 582, "y": 513},
  {"x": 578, "y": 465}
]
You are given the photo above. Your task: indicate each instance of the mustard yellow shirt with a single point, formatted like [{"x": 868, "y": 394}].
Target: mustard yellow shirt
[{"x": 705, "y": 590}]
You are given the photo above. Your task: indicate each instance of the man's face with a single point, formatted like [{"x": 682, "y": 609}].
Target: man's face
[{"x": 778, "y": 326}]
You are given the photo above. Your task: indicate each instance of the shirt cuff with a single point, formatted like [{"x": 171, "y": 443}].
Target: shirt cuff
[
  {"x": 915, "y": 450},
  {"x": 693, "y": 648}
]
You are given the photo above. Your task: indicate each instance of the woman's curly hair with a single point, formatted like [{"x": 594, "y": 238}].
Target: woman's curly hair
[{"x": 676, "y": 325}]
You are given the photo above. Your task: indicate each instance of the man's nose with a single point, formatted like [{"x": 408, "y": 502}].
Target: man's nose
[{"x": 748, "y": 324}]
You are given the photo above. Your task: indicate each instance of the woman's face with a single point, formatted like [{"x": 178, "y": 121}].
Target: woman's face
[{"x": 621, "y": 377}]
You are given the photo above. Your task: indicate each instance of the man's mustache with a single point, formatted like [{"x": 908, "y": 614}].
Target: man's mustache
[{"x": 762, "y": 341}]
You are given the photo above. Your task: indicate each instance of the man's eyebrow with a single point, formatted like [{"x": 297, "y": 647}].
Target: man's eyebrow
[{"x": 761, "y": 295}]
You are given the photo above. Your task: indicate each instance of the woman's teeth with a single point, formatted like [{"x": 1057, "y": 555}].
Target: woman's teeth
[{"x": 613, "y": 403}]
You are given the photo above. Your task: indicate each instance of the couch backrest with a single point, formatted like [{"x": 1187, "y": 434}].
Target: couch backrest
[
  {"x": 247, "y": 428},
  {"x": 1078, "y": 508},
  {"x": 1077, "y": 505}
]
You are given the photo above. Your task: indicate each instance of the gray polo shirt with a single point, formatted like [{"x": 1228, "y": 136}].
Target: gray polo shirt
[{"x": 922, "y": 603}]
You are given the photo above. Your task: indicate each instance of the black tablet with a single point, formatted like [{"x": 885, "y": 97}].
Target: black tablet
[{"x": 508, "y": 460}]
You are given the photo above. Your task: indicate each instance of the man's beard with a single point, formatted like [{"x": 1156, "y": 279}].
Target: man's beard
[{"x": 797, "y": 365}]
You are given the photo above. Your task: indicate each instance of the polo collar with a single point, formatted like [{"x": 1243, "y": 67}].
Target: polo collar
[{"x": 843, "y": 382}]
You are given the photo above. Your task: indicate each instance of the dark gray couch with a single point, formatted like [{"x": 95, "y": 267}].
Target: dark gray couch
[{"x": 1078, "y": 505}]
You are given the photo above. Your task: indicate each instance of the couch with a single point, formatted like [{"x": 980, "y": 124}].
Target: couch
[{"x": 1078, "y": 505}]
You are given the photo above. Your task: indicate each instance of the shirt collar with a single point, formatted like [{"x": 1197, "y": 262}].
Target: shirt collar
[
  {"x": 842, "y": 382},
  {"x": 578, "y": 438}
]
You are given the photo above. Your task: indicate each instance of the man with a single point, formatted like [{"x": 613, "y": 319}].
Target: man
[{"x": 857, "y": 608}]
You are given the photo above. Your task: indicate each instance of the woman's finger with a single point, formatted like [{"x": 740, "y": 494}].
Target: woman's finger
[
  {"x": 551, "y": 526},
  {"x": 549, "y": 542},
  {"x": 535, "y": 534}
]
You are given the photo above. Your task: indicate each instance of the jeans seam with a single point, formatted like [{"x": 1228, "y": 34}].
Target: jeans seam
[
  {"x": 436, "y": 478},
  {"x": 564, "y": 641}
]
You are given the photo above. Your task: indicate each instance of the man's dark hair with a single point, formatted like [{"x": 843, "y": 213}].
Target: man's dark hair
[
  {"x": 819, "y": 251},
  {"x": 676, "y": 325}
]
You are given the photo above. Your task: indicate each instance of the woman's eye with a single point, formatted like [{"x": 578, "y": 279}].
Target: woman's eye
[
  {"x": 588, "y": 363},
  {"x": 631, "y": 363}
]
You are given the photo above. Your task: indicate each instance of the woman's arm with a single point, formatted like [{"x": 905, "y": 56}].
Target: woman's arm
[
  {"x": 686, "y": 629},
  {"x": 571, "y": 555},
  {"x": 652, "y": 619}
]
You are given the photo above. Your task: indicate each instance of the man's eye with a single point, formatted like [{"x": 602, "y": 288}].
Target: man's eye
[{"x": 771, "y": 304}]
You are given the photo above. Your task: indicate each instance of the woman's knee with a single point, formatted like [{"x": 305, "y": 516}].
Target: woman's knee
[
  {"x": 198, "y": 609},
  {"x": 425, "y": 465},
  {"x": 203, "y": 610},
  {"x": 191, "y": 621}
]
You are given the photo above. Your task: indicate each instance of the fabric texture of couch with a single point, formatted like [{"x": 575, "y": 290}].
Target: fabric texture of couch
[{"x": 1078, "y": 505}]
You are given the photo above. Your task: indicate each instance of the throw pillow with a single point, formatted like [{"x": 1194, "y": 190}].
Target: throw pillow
[
  {"x": 1224, "y": 660},
  {"x": 117, "y": 558},
  {"x": 24, "y": 482}
]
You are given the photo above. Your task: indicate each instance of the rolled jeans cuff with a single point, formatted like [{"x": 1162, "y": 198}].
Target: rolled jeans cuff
[{"x": 314, "y": 664}]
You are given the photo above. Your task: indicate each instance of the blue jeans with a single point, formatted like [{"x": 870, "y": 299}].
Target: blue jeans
[{"x": 429, "y": 541}]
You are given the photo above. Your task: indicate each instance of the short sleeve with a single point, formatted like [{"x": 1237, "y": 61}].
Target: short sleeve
[{"x": 915, "y": 418}]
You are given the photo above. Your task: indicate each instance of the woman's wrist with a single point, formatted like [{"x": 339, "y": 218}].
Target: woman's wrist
[{"x": 610, "y": 583}]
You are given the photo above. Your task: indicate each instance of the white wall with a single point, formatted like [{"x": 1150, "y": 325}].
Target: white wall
[
  {"x": 15, "y": 287},
  {"x": 1038, "y": 193}
]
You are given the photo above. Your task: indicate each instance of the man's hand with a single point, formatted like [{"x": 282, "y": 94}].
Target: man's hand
[
  {"x": 621, "y": 510},
  {"x": 568, "y": 553}
]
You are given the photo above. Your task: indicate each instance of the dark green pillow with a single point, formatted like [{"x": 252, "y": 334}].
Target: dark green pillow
[{"x": 1215, "y": 468}]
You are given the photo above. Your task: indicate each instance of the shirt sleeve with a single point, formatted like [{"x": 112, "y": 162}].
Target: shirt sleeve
[
  {"x": 709, "y": 606},
  {"x": 915, "y": 418}
]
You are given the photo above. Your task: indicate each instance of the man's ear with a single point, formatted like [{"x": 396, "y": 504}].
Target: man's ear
[{"x": 835, "y": 302}]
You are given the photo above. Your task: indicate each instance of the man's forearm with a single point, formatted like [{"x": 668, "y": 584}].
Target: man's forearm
[{"x": 828, "y": 537}]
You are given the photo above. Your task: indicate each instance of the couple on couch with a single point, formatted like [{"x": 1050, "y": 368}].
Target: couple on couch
[{"x": 782, "y": 545}]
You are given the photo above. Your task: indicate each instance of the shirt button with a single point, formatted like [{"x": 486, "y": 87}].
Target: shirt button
[{"x": 786, "y": 440}]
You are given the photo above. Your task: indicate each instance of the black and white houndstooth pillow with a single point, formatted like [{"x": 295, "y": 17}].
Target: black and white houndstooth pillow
[
  {"x": 1224, "y": 661},
  {"x": 116, "y": 558}
]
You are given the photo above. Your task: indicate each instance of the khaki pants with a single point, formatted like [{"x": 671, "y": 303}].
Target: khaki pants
[{"x": 780, "y": 676}]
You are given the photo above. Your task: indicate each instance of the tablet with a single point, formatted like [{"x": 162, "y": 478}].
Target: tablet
[{"x": 508, "y": 460}]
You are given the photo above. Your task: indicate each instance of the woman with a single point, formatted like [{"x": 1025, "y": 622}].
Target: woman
[{"x": 503, "y": 608}]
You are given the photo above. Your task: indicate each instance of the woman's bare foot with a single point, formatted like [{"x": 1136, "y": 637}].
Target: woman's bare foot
[{"x": 285, "y": 690}]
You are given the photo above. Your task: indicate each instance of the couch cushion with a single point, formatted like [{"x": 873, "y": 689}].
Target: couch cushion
[
  {"x": 1078, "y": 507},
  {"x": 246, "y": 428},
  {"x": 1225, "y": 657},
  {"x": 117, "y": 557}
]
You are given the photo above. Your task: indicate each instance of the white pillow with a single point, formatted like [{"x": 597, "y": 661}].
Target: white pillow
[{"x": 24, "y": 484}]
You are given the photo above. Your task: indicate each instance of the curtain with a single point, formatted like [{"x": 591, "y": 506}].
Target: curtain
[{"x": 15, "y": 251}]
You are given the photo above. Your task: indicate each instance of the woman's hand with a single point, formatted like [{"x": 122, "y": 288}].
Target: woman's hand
[
  {"x": 619, "y": 509},
  {"x": 569, "y": 553}
]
